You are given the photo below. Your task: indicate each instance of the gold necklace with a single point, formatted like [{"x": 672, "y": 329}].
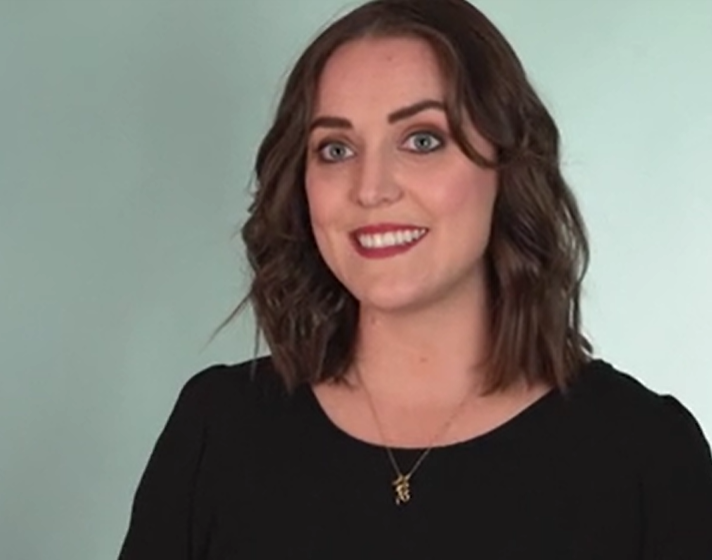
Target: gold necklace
[{"x": 401, "y": 484}]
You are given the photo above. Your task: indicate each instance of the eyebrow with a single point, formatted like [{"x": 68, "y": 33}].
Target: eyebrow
[{"x": 327, "y": 121}]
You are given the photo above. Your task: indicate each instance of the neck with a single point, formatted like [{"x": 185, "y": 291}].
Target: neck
[{"x": 431, "y": 356}]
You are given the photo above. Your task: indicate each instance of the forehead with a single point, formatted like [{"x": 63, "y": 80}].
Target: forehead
[{"x": 379, "y": 73}]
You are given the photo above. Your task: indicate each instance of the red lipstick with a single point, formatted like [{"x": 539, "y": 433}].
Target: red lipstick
[
  {"x": 384, "y": 228},
  {"x": 384, "y": 252}
]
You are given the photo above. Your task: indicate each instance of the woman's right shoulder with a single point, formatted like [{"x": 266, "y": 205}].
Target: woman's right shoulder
[{"x": 235, "y": 387}]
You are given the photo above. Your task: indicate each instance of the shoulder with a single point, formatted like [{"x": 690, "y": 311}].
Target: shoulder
[
  {"x": 656, "y": 439},
  {"x": 635, "y": 414},
  {"x": 242, "y": 387},
  {"x": 256, "y": 374},
  {"x": 599, "y": 383}
]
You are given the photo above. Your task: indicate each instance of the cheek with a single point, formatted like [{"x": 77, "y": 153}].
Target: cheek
[
  {"x": 317, "y": 199},
  {"x": 327, "y": 194},
  {"x": 325, "y": 208},
  {"x": 463, "y": 193}
]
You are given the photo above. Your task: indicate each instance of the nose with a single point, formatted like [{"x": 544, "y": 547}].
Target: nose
[{"x": 375, "y": 181}]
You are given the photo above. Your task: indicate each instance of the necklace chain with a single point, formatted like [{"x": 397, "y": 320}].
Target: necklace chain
[{"x": 401, "y": 484}]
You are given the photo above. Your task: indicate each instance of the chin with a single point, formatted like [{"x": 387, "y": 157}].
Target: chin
[{"x": 389, "y": 301}]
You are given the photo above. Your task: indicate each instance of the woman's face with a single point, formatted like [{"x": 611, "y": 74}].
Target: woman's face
[{"x": 380, "y": 152}]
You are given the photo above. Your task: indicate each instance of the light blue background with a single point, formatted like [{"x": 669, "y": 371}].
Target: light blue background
[{"x": 127, "y": 133}]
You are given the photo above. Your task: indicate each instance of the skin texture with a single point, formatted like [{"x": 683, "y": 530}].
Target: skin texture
[
  {"x": 397, "y": 172},
  {"x": 423, "y": 313}
]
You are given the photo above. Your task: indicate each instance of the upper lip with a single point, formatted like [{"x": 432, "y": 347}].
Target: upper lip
[{"x": 383, "y": 228}]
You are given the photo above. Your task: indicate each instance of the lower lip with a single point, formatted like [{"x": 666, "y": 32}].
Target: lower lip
[{"x": 384, "y": 252}]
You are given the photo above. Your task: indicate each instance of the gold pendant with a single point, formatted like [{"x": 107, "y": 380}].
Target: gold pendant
[{"x": 402, "y": 486}]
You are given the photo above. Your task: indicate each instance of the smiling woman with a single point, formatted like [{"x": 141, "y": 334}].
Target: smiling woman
[
  {"x": 418, "y": 261},
  {"x": 396, "y": 171}
]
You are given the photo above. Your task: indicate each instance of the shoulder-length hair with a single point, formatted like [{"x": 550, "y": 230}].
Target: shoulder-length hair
[{"x": 538, "y": 251}]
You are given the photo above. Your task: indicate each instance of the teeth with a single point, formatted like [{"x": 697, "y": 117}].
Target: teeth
[{"x": 390, "y": 239}]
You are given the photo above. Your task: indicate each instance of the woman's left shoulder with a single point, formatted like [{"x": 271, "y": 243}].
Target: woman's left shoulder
[
  {"x": 670, "y": 455},
  {"x": 655, "y": 419}
]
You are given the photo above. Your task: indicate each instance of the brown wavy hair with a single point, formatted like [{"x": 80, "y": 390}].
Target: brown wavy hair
[{"x": 538, "y": 251}]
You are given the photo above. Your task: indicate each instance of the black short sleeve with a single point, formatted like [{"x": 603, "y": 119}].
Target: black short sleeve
[
  {"x": 677, "y": 489},
  {"x": 162, "y": 524}
]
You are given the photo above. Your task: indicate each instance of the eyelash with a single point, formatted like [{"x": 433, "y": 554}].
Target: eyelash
[{"x": 440, "y": 141}]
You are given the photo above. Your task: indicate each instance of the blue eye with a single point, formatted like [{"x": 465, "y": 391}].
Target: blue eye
[
  {"x": 332, "y": 152},
  {"x": 424, "y": 142}
]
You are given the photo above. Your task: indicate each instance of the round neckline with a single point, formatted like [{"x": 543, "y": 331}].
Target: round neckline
[{"x": 508, "y": 428}]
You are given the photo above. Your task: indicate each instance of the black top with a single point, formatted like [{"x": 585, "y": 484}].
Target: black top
[{"x": 614, "y": 471}]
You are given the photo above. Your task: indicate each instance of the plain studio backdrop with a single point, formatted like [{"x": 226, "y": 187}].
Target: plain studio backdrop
[{"x": 127, "y": 134}]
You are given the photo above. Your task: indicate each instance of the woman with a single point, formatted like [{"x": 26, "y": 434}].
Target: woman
[{"x": 418, "y": 261}]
